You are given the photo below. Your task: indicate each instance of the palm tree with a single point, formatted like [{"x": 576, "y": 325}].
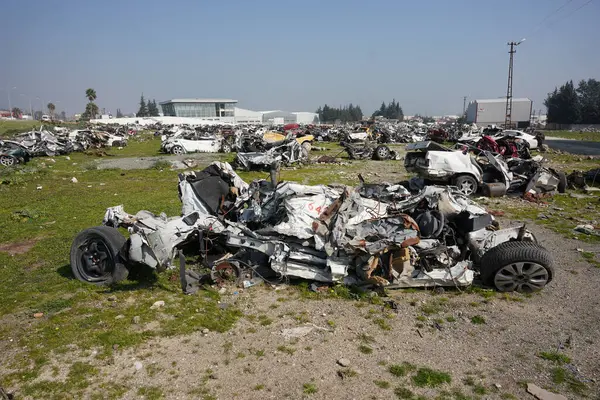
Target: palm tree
[
  {"x": 91, "y": 109},
  {"x": 90, "y": 94},
  {"x": 51, "y": 108}
]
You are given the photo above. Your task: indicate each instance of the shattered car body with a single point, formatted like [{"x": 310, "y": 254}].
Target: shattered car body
[
  {"x": 486, "y": 171},
  {"x": 380, "y": 235},
  {"x": 438, "y": 163},
  {"x": 12, "y": 153},
  {"x": 368, "y": 150},
  {"x": 286, "y": 153}
]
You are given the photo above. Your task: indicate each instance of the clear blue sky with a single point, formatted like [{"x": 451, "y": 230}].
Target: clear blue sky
[{"x": 293, "y": 56}]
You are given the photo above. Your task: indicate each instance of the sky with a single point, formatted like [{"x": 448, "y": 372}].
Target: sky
[{"x": 292, "y": 55}]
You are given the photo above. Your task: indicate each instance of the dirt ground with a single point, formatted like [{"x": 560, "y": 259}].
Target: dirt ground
[{"x": 489, "y": 360}]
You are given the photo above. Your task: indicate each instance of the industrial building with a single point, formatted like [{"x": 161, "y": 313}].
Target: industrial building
[
  {"x": 222, "y": 110},
  {"x": 493, "y": 112},
  {"x": 225, "y": 110}
]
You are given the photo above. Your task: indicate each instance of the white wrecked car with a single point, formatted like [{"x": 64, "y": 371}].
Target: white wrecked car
[
  {"x": 374, "y": 234},
  {"x": 183, "y": 142},
  {"x": 469, "y": 172}
]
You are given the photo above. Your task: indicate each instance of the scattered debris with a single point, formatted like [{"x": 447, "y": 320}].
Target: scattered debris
[
  {"x": 298, "y": 332},
  {"x": 38, "y": 315},
  {"x": 542, "y": 394},
  {"x": 587, "y": 229},
  {"x": 343, "y": 362},
  {"x": 157, "y": 304}
]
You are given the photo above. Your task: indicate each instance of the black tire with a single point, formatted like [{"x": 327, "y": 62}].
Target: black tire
[
  {"x": 562, "y": 182},
  {"x": 95, "y": 256},
  {"x": 466, "y": 184},
  {"x": 382, "y": 153},
  {"x": 521, "y": 266}
]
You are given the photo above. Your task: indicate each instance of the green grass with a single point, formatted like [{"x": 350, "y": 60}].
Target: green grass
[
  {"x": 382, "y": 323},
  {"x": 286, "y": 349},
  {"x": 559, "y": 375},
  {"x": 382, "y": 384},
  {"x": 309, "y": 388},
  {"x": 40, "y": 280},
  {"x": 363, "y": 348},
  {"x": 259, "y": 387},
  {"x": 401, "y": 369},
  {"x": 585, "y": 136},
  {"x": 427, "y": 377},
  {"x": 478, "y": 320},
  {"x": 555, "y": 356},
  {"x": 151, "y": 392},
  {"x": 403, "y": 393}
]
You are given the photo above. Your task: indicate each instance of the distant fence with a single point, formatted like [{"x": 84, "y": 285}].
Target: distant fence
[{"x": 567, "y": 127}]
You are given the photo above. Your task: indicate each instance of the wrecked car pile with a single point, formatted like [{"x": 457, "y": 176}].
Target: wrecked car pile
[
  {"x": 285, "y": 152},
  {"x": 483, "y": 170},
  {"x": 372, "y": 235},
  {"x": 45, "y": 143}
]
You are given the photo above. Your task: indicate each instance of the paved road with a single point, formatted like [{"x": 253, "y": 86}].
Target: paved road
[
  {"x": 148, "y": 162},
  {"x": 574, "y": 146}
]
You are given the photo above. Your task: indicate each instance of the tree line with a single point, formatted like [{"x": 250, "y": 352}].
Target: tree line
[
  {"x": 147, "y": 109},
  {"x": 390, "y": 111},
  {"x": 349, "y": 113},
  {"x": 571, "y": 105}
]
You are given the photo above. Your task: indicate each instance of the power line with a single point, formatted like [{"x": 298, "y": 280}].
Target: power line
[
  {"x": 555, "y": 11},
  {"x": 541, "y": 25}
]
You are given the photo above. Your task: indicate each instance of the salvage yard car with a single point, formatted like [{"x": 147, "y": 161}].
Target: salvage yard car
[
  {"x": 12, "y": 153},
  {"x": 484, "y": 170},
  {"x": 192, "y": 142},
  {"x": 376, "y": 235}
]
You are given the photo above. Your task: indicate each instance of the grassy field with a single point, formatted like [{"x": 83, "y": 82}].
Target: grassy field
[
  {"x": 585, "y": 136},
  {"x": 41, "y": 211}
]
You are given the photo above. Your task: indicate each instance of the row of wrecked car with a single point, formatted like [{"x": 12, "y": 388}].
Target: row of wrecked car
[
  {"x": 258, "y": 148},
  {"x": 372, "y": 235},
  {"x": 37, "y": 143}
]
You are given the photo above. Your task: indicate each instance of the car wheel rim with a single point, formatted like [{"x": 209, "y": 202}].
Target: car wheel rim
[
  {"x": 7, "y": 161},
  {"x": 521, "y": 277},
  {"x": 177, "y": 150},
  {"x": 466, "y": 187},
  {"x": 96, "y": 261},
  {"x": 382, "y": 152}
]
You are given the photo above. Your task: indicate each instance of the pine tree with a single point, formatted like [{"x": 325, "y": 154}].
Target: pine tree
[{"x": 143, "y": 111}]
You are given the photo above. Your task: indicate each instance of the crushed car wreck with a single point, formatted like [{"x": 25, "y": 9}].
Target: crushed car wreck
[
  {"x": 483, "y": 170},
  {"x": 367, "y": 235}
]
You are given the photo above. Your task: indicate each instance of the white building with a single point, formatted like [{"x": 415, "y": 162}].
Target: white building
[
  {"x": 493, "y": 112},
  {"x": 243, "y": 116},
  {"x": 306, "y": 118}
]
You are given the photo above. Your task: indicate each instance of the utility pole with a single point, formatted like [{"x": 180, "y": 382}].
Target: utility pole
[
  {"x": 464, "y": 104},
  {"x": 508, "y": 117}
]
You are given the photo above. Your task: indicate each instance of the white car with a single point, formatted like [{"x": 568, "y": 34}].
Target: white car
[
  {"x": 195, "y": 144},
  {"x": 440, "y": 164},
  {"x": 534, "y": 141}
]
